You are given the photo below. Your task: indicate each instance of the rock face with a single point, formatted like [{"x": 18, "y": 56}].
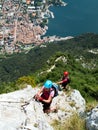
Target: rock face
[
  {"x": 92, "y": 119},
  {"x": 18, "y": 110},
  {"x": 67, "y": 104}
]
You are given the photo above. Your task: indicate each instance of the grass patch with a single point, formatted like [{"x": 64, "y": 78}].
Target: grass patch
[
  {"x": 91, "y": 104},
  {"x": 73, "y": 123}
]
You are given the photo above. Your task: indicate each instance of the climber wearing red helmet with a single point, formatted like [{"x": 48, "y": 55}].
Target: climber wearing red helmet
[
  {"x": 66, "y": 73},
  {"x": 65, "y": 80}
]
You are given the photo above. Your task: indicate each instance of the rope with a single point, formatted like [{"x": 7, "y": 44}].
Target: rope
[{"x": 11, "y": 102}]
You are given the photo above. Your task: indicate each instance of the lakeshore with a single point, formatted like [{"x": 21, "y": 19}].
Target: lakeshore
[
  {"x": 76, "y": 18},
  {"x": 46, "y": 23},
  {"x": 23, "y": 25}
]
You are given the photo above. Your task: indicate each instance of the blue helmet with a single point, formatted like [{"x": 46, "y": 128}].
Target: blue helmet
[{"x": 48, "y": 84}]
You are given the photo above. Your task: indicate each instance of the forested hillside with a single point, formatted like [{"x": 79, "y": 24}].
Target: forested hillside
[{"x": 78, "y": 55}]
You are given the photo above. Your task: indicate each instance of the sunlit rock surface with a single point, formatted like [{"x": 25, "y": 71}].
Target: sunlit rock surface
[{"x": 19, "y": 111}]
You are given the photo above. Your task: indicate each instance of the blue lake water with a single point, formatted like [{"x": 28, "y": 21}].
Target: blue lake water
[{"x": 78, "y": 17}]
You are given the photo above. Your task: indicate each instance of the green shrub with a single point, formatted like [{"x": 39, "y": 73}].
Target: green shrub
[{"x": 26, "y": 80}]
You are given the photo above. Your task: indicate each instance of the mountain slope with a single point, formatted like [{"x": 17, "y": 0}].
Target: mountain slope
[
  {"x": 18, "y": 65},
  {"x": 79, "y": 56}
]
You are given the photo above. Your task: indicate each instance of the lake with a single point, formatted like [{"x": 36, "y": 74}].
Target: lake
[{"x": 78, "y": 17}]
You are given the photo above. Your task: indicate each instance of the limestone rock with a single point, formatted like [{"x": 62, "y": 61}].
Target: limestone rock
[
  {"x": 15, "y": 114},
  {"x": 67, "y": 104},
  {"x": 18, "y": 110},
  {"x": 92, "y": 119}
]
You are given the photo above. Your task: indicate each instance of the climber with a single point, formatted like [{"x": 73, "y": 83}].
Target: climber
[
  {"x": 64, "y": 81},
  {"x": 45, "y": 96}
]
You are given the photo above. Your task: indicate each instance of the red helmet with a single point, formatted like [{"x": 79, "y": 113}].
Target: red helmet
[{"x": 66, "y": 73}]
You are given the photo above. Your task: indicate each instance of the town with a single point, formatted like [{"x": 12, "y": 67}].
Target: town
[{"x": 23, "y": 24}]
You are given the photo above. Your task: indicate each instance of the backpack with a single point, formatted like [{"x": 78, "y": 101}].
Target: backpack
[{"x": 55, "y": 87}]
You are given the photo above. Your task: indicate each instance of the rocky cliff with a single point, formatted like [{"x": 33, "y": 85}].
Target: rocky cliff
[{"x": 19, "y": 111}]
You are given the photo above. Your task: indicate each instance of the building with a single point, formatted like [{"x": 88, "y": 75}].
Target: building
[{"x": 28, "y": 1}]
